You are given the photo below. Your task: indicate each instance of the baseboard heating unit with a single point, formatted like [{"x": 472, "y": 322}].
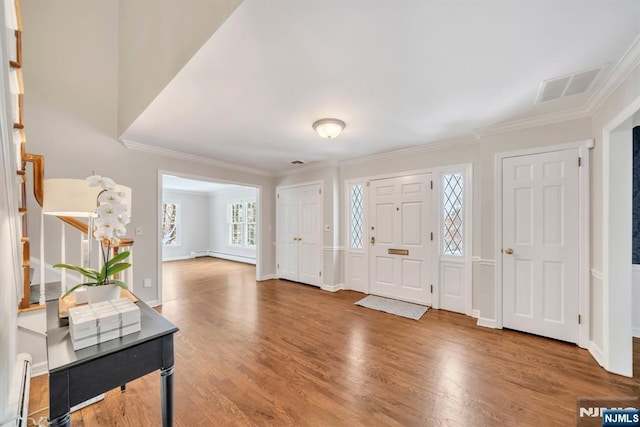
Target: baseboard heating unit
[{"x": 19, "y": 392}]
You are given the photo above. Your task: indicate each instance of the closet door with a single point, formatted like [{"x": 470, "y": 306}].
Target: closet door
[
  {"x": 287, "y": 233},
  {"x": 310, "y": 235},
  {"x": 299, "y": 219}
]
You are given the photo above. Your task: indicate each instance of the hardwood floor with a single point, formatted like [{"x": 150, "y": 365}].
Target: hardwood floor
[{"x": 281, "y": 353}]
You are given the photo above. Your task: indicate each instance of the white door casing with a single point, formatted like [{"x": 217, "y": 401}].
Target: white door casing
[
  {"x": 299, "y": 233},
  {"x": 540, "y": 242},
  {"x": 400, "y": 218}
]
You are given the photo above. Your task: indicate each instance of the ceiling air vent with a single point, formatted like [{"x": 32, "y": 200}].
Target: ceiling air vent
[
  {"x": 297, "y": 162},
  {"x": 572, "y": 84}
]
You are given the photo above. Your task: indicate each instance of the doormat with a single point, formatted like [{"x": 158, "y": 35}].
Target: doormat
[{"x": 392, "y": 306}]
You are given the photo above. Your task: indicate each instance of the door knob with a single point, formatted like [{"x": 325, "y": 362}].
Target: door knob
[
  {"x": 373, "y": 240},
  {"x": 508, "y": 251}
]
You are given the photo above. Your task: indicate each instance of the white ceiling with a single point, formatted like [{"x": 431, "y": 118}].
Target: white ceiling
[
  {"x": 177, "y": 183},
  {"x": 400, "y": 73}
]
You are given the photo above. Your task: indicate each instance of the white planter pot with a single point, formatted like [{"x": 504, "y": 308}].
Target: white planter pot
[{"x": 102, "y": 293}]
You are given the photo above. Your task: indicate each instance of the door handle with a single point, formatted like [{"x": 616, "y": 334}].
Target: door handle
[
  {"x": 373, "y": 240},
  {"x": 295, "y": 239},
  {"x": 508, "y": 251}
]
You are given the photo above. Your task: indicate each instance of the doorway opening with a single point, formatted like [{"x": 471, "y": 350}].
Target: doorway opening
[{"x": 201, "y": 217}]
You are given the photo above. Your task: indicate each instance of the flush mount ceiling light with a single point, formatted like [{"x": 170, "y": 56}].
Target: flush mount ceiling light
[{"x": 329, "y": 128}]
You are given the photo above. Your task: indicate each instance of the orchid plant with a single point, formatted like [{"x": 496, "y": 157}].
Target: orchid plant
[{"x": 108, "y": 227}]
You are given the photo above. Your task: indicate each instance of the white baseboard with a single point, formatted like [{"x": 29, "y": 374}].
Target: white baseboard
[
  {"x": 176, "y": 258},
  {"x": 267, "y": 277},
  {"x": 486, "y": 323},
  {"x": 332, "y": 288},
  {"x": 231, "y": 257},
  {"x": 38, "y": 369},
  {"x": 596, "y": 353},
  {"x": 153, "y": 303},
  {"x": 475, "y": 313},
  {"x": 636, "y": 332}
]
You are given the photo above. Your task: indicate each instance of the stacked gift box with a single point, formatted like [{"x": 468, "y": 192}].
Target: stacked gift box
[{"x": 96, "y": 323}]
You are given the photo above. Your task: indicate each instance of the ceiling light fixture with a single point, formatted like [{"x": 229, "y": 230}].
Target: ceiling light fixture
[{"x": 329, "y": 128}]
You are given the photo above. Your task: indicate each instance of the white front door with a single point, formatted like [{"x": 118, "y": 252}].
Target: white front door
[
  {"x": 540, "y": 257},
  {"x": 400, "y": 238}
]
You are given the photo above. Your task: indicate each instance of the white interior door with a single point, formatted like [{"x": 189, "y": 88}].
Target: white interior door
[
  {"x": 400, "y": 233},
  {"x": 540, "y": 258},
  {"x": 287, "y": 233},
  {"x": 310, "y": 234},
  {"x": 299, "y": 219}
]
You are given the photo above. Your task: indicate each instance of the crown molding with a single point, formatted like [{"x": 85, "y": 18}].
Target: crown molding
[
  {"x": 535, "y": 121},
  {"x": 132, "y": 145},
  {"x": 618, "y": 74},
  {"x": 440, "y": 145},
  {"x": 310, "y": 167}
]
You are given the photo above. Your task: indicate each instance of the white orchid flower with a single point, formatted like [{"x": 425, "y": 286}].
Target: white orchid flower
[
  {"x": 109, "y": 197},
  {"x": 107, "y": 183},
  {"x": 104, "y": 182},
  {"x": 94, "y": 180}
]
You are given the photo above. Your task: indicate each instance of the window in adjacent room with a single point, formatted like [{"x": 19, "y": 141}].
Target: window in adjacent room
[
  {"x": 452, "y": 214},
  {"x": 170, "y": 224},
  {"x": 242, "y": 223}
]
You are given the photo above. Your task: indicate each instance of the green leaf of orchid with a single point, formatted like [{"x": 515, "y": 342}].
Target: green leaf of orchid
[
  {"x": 118, "y": 268},
  {"x": 120, "y": 283},
  {"x": 120, "y": 257},
  {"x": 78, "y": 286},
  {"x": 87, "y": 272}
]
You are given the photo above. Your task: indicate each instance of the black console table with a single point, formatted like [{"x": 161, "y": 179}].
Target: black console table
[{"x": 76, "y": 376}]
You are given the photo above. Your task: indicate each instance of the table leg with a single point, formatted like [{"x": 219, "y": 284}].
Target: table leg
[
  {"x": 61, "y": 421},
  {"x": 166, "y": 376}
]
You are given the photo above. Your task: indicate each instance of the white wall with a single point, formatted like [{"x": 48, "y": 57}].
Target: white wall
[
  {"x": 193, "y": 224},
  {"x": 219, "y": 229},
  {"x": 156, "y": 40},
  {"x": 71, "y": 85},
  {"x": 611, "y": 302}
]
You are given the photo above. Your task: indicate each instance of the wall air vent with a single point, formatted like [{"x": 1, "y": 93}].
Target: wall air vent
[
  {"x": 572, "y": 84},
  {"x": 297, "y": 162}
]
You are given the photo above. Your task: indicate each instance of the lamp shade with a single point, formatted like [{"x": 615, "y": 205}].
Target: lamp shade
[
  {"x": 74, "y": 197},
  {"x": 329, "y": 128},
  {"x": 69, "y": 197}
]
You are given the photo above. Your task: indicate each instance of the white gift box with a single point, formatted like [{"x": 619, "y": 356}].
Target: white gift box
[{"x": 104, "y": 321}]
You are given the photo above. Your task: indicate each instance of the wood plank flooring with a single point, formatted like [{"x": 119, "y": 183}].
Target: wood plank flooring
[{"x": 285, "y": 354}]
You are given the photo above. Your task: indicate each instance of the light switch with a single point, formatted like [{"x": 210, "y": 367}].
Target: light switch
[{"x": 138, "y": 231}]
